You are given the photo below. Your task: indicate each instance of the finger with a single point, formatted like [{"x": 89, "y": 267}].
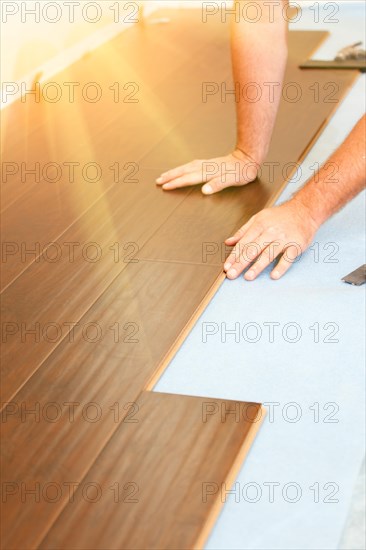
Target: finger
[
  {"x": 220, "y": 182},
  {"x": 241, "y": 256},
  {"x": 215, "y": 185},
  {"x": 268, "y": 255},
  {"x": 249, "y": 251},
  {"x": 175, "y": 173},
  {"x": 189, "y": 179},
  {"x": 287, "y": 260},
  {"x": 231, "y": 241},
  {"x": 224, "y": 180},
  {"x": 246, "y": 248}
]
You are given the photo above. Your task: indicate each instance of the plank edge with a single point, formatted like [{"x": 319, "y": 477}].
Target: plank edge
[{"x": 232, "y": 475}]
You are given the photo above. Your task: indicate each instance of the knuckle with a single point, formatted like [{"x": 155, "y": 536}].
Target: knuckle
[{"x": 259, "y": 225}]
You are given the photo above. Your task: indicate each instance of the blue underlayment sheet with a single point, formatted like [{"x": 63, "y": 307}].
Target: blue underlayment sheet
[{"x": 300, "y": 349}]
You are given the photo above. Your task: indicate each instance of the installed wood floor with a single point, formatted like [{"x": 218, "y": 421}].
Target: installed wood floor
[{"x": 104, "y": 330}]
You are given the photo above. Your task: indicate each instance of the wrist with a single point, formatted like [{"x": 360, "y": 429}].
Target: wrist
[
  {"x": 247, "y": 156},
  {"x": 314, "y": 217},
  {"x": 256, "y": 154},
  {"x": 252, "y": 166}
]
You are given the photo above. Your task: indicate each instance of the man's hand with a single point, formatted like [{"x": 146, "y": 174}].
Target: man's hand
[
  {"x": 285, "y": 230},
  {"x": 232, "y": 170}
]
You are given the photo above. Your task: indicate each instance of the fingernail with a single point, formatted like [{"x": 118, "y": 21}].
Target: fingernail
[
  {"x": 250, "y": 274},
  {"x": 166, "y": 186},
  {"x": 232, "y": 273},
  {"x": 276, "y": 274},
  {"x": 227, "y": 266},
  {"x": 159, "y": 180},
  {"x": 207, "y": 190}
]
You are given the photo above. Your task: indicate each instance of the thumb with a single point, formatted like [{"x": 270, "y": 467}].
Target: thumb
[
  {"x": 214, "y": 186},
  {"x": 223, "y": 181}
]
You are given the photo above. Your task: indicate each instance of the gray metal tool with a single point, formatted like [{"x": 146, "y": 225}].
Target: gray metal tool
[
  {"x": 357, "y": 277},
  {"x": 350, "y": 57}
]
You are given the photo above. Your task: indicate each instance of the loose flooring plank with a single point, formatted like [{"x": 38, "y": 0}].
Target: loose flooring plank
[
  {"x": 162, "y": 468},
  {"x": 358, "y": 64},
  {"x": 146, "y": 299}
]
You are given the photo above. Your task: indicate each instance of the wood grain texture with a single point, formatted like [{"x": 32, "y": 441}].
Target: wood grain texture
[
  {"x": 60, "y": 293},
  {"x": 146, "y": 323},
  {"x": 168, "y": 482},
  {"x": 124, "y": 214},
  {"x": 106, "y": 133}
]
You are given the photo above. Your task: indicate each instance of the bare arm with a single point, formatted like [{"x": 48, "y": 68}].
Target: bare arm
[
  {"x": 259, "y": 55},
  {"x": 323, "y": 199},
  {"x": 287, "y": 230}
]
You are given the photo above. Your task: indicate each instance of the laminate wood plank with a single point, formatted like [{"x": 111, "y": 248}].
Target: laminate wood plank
[
  {"x": 179, "y": 453},
  {"x": 88, "y": 258},
  {"x": 49, "y": 209},
  {"x": 148, "y": 54},
  {"x": 113, "y": 220},
  {"x": 138, "y": 48},
  {"x": 145, "y": 124},
  {"x": 197, "y": 232},
  {"x": 64, "y": 128},
  {"x": 358, "y": 64},
  {"x": 146, "y": 299},
  {"x": 110, "y": 221}
]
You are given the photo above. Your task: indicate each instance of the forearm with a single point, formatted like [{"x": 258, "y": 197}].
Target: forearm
[
  {"x": 322, "y": 197},
  {"x": 259, "y": 55}
]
